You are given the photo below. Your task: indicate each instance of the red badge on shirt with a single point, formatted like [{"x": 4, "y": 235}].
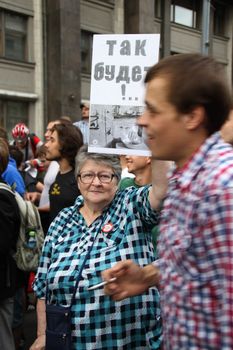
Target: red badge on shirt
[{"x": 107, "y": 227}]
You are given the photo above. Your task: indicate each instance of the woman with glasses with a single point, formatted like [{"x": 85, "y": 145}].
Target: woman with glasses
[{"x": 104, "y": 226}]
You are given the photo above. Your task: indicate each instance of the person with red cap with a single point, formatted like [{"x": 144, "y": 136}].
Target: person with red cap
[{"x": 27, "y": 142}]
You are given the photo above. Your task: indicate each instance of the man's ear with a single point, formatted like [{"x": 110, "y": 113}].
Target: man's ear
[{"x": 195, "y": 118}]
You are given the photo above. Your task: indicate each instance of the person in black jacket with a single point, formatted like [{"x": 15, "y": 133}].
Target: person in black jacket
[{"x": 9, "y": 223}]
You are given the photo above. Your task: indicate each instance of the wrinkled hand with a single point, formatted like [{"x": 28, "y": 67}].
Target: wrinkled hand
[
  {"x": 39, "y": 343},
  {"x": 131, "y": 279}
]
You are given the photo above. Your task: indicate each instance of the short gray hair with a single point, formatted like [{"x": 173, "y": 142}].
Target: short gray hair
[{"x": 112, "y": 161}]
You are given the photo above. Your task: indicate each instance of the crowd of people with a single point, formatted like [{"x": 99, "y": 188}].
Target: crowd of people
[{"x": 142, "y": 259}]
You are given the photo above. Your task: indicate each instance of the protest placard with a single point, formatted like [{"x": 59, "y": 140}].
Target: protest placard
[{"x": 119, "y": 65}]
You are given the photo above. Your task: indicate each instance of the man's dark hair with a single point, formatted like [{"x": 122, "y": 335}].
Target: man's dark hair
[
  {"x": 195, "y": 80},
  {"x": 70, "y": 139}
]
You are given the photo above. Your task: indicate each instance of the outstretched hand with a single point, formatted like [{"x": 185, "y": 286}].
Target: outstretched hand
[{"x": 131, "y": 279}]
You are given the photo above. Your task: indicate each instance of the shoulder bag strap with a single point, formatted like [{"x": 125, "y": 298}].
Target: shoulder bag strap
[{"x": 80, "y": 270}]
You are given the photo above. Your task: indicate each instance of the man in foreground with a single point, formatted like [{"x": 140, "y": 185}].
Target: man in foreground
[{"x": 187, "y": 102}]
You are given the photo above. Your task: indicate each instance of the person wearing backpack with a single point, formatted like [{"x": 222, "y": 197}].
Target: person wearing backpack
[
  {"x": 14, "y": 179},
  {"x": 9, "y": 223}
]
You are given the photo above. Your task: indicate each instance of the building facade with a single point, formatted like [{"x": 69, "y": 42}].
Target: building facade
[
  {"x": 46, "y": 47},
  {"x": 21, "y": 64}
]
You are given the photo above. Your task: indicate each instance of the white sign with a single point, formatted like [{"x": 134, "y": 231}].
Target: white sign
[{"x": 119, "y": 65}]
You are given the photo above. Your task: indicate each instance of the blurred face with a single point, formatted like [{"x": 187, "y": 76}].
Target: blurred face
[
  {"x": 136, "y": 163},
  {"x": 85, "y": 112},
  {"x": 120, "y": 131},
  {"x": 48, "y": 130},
  {"x": 127, "y": 132},
  {"x": 44, "y": 162},
  {"x": 167, "y": 136},
  {"x": 21, "y": 143},
  {"x": 53, "y": 147},
  {"x": 123, "y": 129},
  {"x": 227, "y": 129},
  {"x": 97, "y": 192}
]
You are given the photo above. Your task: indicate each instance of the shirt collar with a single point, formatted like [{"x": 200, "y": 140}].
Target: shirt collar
[
  {"x": 78, "y": 203},
  {"x": 185, "y": 175}
]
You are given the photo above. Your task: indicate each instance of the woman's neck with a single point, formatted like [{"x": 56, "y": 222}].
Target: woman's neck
[{"x": 90, "y": 213}]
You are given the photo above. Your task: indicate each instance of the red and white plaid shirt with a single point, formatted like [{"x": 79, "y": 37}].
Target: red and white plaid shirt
[{"x": 196, "y": 252}]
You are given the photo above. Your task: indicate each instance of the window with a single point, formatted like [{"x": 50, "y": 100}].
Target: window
[
  {"x": 185, "y": 12},
  {"x": 158, "y": 11},
  {"x": 11, "y": 113},
  {"x": 219, "y": 18},
  {"x": 86, "y": 51},
  {"x": 13, "y": 36}
]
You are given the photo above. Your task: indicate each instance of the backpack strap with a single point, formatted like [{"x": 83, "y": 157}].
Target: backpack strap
[
  {"x": 26, "y": 214},
  {"x": 20, "y": 201},
  {"x": 6, "y": 187},
  {"x": 37, "y": 216}
]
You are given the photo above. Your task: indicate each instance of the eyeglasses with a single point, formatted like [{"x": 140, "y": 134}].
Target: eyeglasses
[{"x": 87, "y": 177}]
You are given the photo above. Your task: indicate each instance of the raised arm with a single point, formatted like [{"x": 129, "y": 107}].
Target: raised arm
[
  {"x": 132, "y": 279},
  {"x": 160, "y": 169}
]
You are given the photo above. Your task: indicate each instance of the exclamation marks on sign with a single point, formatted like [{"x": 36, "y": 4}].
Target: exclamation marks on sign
[
  {"x": 123, "y": 91},
  {"x": 123, "y": 88}
]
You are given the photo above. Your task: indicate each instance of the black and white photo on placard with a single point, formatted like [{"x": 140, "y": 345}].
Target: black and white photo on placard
[{"x": 119, "y": 65}]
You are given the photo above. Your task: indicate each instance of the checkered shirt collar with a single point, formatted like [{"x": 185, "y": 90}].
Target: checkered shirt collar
[{"x": 189, "y": 171}]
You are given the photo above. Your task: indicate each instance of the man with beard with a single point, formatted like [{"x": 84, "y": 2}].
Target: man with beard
[{"x": 62, "y": 146}]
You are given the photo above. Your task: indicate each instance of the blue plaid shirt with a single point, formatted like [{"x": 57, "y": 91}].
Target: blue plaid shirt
[{"x": 97, "y": 321}]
